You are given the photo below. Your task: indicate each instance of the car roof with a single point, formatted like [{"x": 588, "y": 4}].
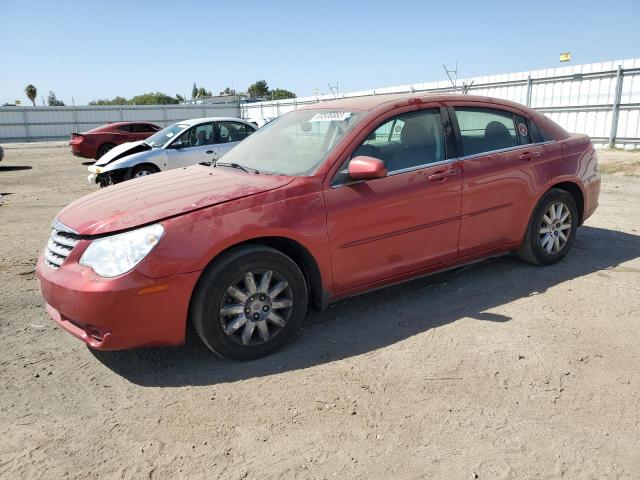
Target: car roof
[
  {"x": 370, "y": 102},
  {"x": 194, "y": 121}
]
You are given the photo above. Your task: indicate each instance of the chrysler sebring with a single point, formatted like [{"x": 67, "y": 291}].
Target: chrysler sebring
[{"x": 322, "y": 203}]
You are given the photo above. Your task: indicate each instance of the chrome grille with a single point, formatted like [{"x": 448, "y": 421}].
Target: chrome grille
[{"x": 60, "y": 244}]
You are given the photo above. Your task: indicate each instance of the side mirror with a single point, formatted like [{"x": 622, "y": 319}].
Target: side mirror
[
  {"x": 178, "y": 144},
  {"x": 366, "y": 168}
]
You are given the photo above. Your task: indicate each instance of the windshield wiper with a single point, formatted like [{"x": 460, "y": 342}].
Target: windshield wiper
[{"x": 236, "y": 165}]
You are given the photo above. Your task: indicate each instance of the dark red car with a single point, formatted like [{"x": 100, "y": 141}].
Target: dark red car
[
  {"x": 98, "y": 141},
  {"x": 325, "y": 202}
]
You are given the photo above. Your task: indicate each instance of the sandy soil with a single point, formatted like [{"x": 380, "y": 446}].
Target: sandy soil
[{"x": 499, "y": 370}]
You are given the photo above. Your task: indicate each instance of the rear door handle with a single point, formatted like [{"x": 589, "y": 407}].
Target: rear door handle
[
  {"x": 209, "y": 152},
  {"x": 441, "y": 175},
  {"x": 529, "y": 155}
]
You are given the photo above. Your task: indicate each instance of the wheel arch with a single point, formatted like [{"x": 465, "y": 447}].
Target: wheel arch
[
  {"x": 576, "y": 192},
  {"x": 301, "y": 256}
]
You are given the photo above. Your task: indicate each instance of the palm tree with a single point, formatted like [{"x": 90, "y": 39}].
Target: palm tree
[{"x": 31, "y": 92}]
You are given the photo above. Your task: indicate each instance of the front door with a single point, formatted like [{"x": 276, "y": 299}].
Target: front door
[
  {"x": 405, "y": 222},
  {"x": 197, "y": 145}
]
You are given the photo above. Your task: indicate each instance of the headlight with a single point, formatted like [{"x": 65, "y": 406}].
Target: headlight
[{"x": 117, "y": 254}]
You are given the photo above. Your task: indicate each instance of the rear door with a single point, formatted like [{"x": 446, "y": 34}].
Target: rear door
[
  {"x": 229, "y": 134},
  {"x": 140, "y": 131},
  {"x": 498, "y": 172}
]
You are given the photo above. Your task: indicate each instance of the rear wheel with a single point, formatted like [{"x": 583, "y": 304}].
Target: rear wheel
[
  {"x": 552, "y": 228},
  {"x": 104, "y": 149},
  {"x": 249, "y": 302}
]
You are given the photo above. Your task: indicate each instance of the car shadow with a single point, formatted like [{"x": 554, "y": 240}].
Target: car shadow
[
  {"x": 14, "y": 168},
  {"x": 89, "y": 163},
  {"x": 381, "y": 318}
]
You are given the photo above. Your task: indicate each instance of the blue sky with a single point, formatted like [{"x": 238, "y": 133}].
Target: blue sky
[{"x": 90, "y": 49}]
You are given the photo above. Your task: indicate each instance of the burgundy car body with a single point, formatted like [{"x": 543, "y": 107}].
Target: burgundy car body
[
  {"x": 94, "y": 142},
  {"x": 347, "y": 238}
]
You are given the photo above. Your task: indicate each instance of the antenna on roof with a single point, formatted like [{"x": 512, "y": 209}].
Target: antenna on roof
[{"x": 455, "y": 78}]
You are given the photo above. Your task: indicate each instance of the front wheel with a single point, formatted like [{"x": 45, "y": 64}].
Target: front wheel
[
  {"x": 143, "y": 170},
  {"x": 552, "y": 228},
  {"x": 249, "y": 302}
]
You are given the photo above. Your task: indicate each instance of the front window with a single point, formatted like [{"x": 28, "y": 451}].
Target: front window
[
  {"x": 198, "y": 136},
  {"x": 406, "y": 141},
  {"x": 295, "y": 143},
  {"x": 160, "y": 138}
]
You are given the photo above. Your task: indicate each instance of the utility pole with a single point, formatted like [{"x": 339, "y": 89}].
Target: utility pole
[
  {"x": 455, "y": 73},
  {"x": 331, "y": 87}
]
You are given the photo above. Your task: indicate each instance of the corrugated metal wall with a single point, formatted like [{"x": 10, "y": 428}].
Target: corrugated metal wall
[
  {"x": 29, "y": 124},
  {"x": 581, "y": 98}
]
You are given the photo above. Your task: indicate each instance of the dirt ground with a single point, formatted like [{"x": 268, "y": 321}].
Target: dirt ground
[{"x": 499, "y": 370}]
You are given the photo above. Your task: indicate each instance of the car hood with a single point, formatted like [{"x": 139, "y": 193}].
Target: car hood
[
  {"x": 122, "y": 150},
  {"x": 156, "y": 197}
]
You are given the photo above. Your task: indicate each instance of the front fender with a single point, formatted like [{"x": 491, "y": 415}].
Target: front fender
[{"x": 154, "y": 157}]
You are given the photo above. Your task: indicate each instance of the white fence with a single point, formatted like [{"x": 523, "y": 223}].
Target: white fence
[
  {"x": 29, "y": 124},
  {"x": 599, "y": 99}
]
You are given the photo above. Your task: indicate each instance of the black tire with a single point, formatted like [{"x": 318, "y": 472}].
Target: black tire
[
  {"x": 104, "y": 148},
  {"x": 532, "y": 250},
  {"x": 212, "y": 294},
  {"x": 143, "y": 170}
]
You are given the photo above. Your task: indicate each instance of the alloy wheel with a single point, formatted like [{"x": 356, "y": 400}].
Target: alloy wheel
[
  {"x": 256, "y": 307},
  {"x": 555, "y": 228}
]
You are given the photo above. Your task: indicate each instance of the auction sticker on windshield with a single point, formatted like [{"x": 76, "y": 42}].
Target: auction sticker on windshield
[{"x": 330, "y": 117}]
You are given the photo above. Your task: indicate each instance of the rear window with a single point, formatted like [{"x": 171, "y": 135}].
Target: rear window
[
  {"x": 485, "y": 129},
  {"x": 124, "y": 128}
]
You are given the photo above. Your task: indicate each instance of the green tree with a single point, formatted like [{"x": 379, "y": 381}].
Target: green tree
[
  {"x": 31, "y": 92},
  {"x": 157, "y": 98},
  {"x": 194, "y": 91},
  {"x": 281, "y": 94},
  {"x": 258, "y": 89},
  {"x": 114, "y": 101},
  {"x": 203, "y": 92},
  {"x": 53, "y": 101},
  {"x": 179, "y": 98}
]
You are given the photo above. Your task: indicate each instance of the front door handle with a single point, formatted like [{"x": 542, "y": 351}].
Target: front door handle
[
  {"x": 442, "y": 174},
  {"x": 529, "y": 155},
  {"x": 209, "y": 152}
]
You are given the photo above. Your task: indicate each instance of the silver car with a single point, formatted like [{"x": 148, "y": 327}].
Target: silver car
[{"x": 188, "y": 142}]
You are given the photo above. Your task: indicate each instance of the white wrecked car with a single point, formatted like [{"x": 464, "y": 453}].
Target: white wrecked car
[{"x": 188, "y": 142}]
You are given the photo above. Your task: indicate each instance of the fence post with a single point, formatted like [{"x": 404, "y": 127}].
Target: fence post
[
  {"x": 75, "y": 114},
  {"x": 26, "y": 124},
  {"x": 164, "y": 115},
  {"x": 616, "y": 107},
  {"x": 529, "y": 88},
  {"x": 121, "y": 114}
]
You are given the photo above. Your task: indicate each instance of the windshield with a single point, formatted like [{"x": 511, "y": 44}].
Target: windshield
[
  {"x": 294, "y": 143},
  {"x": 158, "y": 139}
]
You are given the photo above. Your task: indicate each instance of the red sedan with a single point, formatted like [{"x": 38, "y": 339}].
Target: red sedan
[
  {"x": 98, "y": 141},
  {"x": 325, "y": 202}
]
